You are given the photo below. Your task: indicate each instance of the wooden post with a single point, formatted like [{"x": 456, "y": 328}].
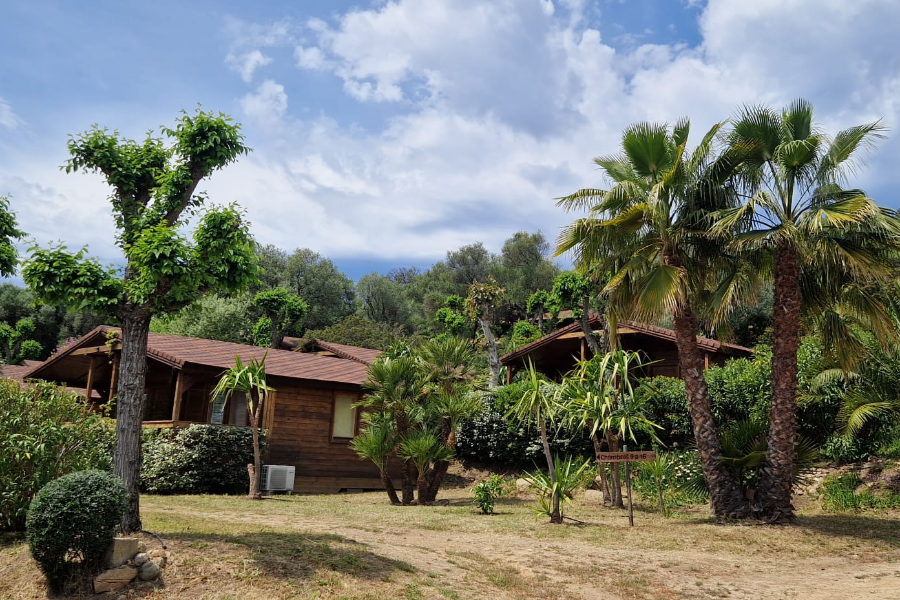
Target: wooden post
[
  {"x": 114, "y": 379},
  {"x": 90, "y": 380},
  {"x": 706, "y": 360},
  {"x": 179, "y": 391},
  {"x": 628, "y": 489},
  {"x": 582, "y": 348}
]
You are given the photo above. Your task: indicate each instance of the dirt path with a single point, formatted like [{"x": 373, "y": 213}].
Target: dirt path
[{"x": 522, "y": 567}]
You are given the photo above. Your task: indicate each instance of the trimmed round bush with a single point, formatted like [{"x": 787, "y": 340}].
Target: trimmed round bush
[{"x": 71, "y": 523}]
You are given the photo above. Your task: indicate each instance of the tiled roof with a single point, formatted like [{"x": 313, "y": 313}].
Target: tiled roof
[
  {"x": 20, "y": 372},
  {"x": 179, "y": 351},
  {"x": 659, "y": 332},
  {"x": 365, "y": 356}
]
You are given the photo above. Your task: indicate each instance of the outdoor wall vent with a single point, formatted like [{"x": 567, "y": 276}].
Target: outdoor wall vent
[{"x": 277, "y": 478}]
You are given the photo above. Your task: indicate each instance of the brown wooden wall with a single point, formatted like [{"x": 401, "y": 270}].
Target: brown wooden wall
[{"x": 300, "y": 435}]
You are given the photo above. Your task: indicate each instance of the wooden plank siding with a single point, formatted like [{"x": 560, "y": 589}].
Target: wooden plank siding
[{"x": 300, "y": 436}]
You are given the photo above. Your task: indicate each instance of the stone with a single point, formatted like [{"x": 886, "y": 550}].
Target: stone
[
  {"x": 598, "y": 483},
  {"x": 522, "y": 485},
  {"x": 160, "y": 557},
  {"x": 114, "y": 579},
  {"x": 121, "y": 551},
  {"x": 593, "y": 496},
  {"x": 140, "y": 558},
  {"x": 149, "y": 570}
]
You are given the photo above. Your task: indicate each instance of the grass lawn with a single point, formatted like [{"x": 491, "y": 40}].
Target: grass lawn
[{"x": 358, "y": 546}]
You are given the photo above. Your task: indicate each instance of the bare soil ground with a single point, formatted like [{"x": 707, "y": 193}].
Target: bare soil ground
[{"x": 357, "y": 546}]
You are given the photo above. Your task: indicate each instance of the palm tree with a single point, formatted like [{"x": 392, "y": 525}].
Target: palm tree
[
  {"x": 538, "y": 403},
  {"x": 376, "y": 443},
  {"x": 396, "y": 386},
  {"x": 797, "y": 208},
  {"x": 249, "y": 380},
  {"x": 598, "y": 395},
  {"x": 645, "y": 231},
  {"x": 422, "y": 448}
]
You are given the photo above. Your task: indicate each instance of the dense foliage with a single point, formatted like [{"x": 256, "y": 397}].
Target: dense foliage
[
  {"x": 71, "y": 523},
  {"x": 45, "y": 433},
  {"x": 200, "y": 459}
]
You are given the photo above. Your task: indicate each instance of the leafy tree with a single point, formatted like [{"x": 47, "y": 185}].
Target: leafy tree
[
  {"x": 9, "y": 231},
  {"x": 451, "y": 317},
  {"x": 356, "y": 330},
  {"x": 16, "y": 344},
  {"x": 282, "y": 313},
  {"x": 469, "y": 264},
  {"x": 248, "y": 381},
  {"x": 522, "y": 267},
  {"x": 523, "y": 332},
  {"x": 383, "y": 300},
  {"x": 538, "y": 302},
  {"x": 572, "y": 291},
  {"x": 646, "y": 231},
  {"x": 797, "y": 207},
  {"x": 154, "y": 192},
  {"x": 480, "y": 304},
  {"x": 212, "y": 317},
  {"x": 328, "y": 292}
]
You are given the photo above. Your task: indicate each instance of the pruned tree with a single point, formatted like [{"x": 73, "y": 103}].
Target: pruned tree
[
  {"x": 282, "y": 313},
  {"x": 9, "y": 231},
  {"x": 154, "y": 192},
  {"x": 16, "y": 343},
  {"x": 572, "y": 291},
  {"x": 480, "y": 303},
  {"x": 537, "y": 305}
]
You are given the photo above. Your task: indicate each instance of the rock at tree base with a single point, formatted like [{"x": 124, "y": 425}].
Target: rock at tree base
[
  {"x": 114, "y": 579},
  {"x": 149, "y": 570},
  {"x": 120, "y": 551},
  {"x": 160, "y": 557},
  {"x": 522, "y": 485},
  {"x": 593, "y": 496},
  {"x": 140, "y": 558}
]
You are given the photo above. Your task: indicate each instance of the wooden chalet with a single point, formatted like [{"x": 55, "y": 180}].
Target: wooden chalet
[
  {"x": 309, "y": 418},
  {"x": 556, "y": 353}
]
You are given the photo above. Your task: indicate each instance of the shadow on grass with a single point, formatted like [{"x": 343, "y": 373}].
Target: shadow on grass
[
  {"x": 860, "y": 527},
  {"x": 296, "y": 556},
  {"x": 8, "y": 539}
]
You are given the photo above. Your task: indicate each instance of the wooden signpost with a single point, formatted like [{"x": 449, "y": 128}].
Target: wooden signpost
[{"x": 628, "y": 457}]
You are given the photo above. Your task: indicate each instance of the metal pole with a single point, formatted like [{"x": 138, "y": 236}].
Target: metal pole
[{"x": 628, "y": 489}]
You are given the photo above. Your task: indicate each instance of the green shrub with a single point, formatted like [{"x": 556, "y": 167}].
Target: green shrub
[
  {"x": 201, "y": 459},
  {"x": 678, "y": 473},
  {"x": 839, "y": 495},
  {"x": 569, "y": 477},
  {"x": 71, "y": 523},
  {"x": 487, "y": 492},
  {"x": 45, "y": 432}
]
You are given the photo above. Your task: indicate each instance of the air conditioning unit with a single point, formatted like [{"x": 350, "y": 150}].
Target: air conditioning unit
[{"x": 277, "y": 478}]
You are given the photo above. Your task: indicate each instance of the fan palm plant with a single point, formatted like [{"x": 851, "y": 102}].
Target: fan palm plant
[
  {"x": 820, "y": 233},
  {"x": 648, "y": 230},
  {"x": 396, "y": 386},
  {"x": 538, "y": 404},
  {"x": 423, "y": 448},
  {"x": 376, "y": 443},
  {"x": 249, "y": 380}
]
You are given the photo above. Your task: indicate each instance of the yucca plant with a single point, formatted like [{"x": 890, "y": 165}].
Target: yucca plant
[
  {"x": 658, "y": 470},
  {"x": 568, "y": 477},
  {"x": 249, "y": 379}
]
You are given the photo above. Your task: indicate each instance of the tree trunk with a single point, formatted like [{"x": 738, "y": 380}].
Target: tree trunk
[
  {"x": 601, "y": 469},
  {"x": 254, "y": 470},
  {"x": 274, "y": 335},
  {"x": 407, "y": 488},
  {"x": 586, "y": 327},
  {"x": 493, "y": 353},
  {"x": 726, "y": 499},
  {"x": 540, "y": 319},
  {"x": 389, "y": 487},
  {"x": 422, "y": 491},
  {"x": 555, "y": 516},
  {"x": 776, "y": 479},
  {"x": 615, "y": 473},
  {"x": 130, "y": 409},
  {"x": 448, "y": 438}
]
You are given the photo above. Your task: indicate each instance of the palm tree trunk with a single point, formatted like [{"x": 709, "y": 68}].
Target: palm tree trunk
[
  {"x": 439, "y": 473},
  {"x": 586, "y": 326},
  {"x": 422, "y": 492},
  {"x": 401, "y": 424},
  {"x": 130, "y": 408},
  {"x": 726, "y": 499},
  {"x": 555, "y": 516},
  {"x": 389, "y": 487},
  {"x": 253, "y": 470},
  {"x": 493, "y": 352},
  {"x": 601, "y": 469},
  {"x": 776, "y": 480},
  {"x": 615, "y": 474}
]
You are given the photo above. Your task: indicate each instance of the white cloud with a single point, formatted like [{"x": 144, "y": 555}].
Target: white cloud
[
  {"x": 247, "y": 63},
  {"x": 8, "y": 118},
  {"x": 267, "y": 104},
  {"x": 310, "y": 58}
]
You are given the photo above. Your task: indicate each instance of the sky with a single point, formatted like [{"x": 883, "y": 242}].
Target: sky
[{"x": 386, "y": 133}]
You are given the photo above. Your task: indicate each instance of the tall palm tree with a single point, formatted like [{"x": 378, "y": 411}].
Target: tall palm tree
[
  {"x": 796, "y": 207},
  {"x": 538, "y": 404},
  {"x": 250, "y": 381},
  {"x": 645, "y": 231},
  {"x": 396, "y": 386}
]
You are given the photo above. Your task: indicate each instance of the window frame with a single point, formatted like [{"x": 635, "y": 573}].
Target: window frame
[{"x": 356, "y": 412}]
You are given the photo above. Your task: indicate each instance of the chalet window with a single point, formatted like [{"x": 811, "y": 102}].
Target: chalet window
[
  {"x": 217, "y": 414},
  {"x": 239, "y": 409},
  {"x": 344, "y": 421}
]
